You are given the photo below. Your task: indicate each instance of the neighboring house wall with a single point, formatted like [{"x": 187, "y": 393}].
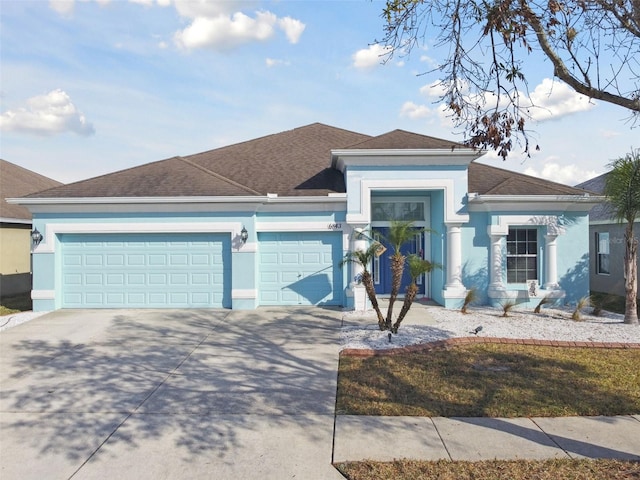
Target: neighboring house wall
[
  {"x": 612, "y": 281},
  {"x": 15, "y": 264}
]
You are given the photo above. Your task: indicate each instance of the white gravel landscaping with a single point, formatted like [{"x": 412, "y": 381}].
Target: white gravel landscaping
[
  {"x": 14, "y": 319},
  {"x": 551, "y": 324}
]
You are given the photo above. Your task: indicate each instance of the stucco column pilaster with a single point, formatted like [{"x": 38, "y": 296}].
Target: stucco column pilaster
[
  {"x": 551, "y": 263},
  {"x": 496, "y": 280}
]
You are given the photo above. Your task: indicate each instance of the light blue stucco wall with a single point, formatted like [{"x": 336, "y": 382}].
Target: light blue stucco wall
[
  {"x": 573, "y": 257},
  {"x": 245, "y": 271},
  {"x": 475, "y": 254},
  {"x": 406, "y": 179}
]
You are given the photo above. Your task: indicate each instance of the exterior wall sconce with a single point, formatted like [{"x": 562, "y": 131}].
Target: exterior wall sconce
[
  {"x": 36, "y": 237},
  {"x": 244, "y": 235}
]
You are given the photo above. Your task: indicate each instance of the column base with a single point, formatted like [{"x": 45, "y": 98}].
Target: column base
[{"x": 453, "y": 296}]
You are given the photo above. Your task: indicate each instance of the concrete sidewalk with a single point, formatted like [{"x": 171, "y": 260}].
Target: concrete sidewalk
[{"x": 424, "y": 438}]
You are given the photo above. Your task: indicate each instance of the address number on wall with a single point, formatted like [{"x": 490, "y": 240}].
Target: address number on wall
[{"x": 334, "y": 226}]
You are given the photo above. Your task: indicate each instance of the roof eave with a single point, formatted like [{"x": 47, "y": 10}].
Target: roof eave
[{"x": 575, "y": 203}]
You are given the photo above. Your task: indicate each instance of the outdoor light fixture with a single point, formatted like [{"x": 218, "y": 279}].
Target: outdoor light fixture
[
  {"x": 244, "y": 235},
  {"x": 36, "y": 237}
]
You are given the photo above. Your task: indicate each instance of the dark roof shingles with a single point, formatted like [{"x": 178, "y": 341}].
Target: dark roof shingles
[
  {"x": 489, "y": 180},
  {"x": 16, "y": 181}
]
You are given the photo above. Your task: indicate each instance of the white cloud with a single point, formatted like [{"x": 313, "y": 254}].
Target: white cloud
[
  {"x": 609, "y": 133},
  {"x": 413, "y": 111},
  {"x": 219, "y": 25},
  {"x": 369, "y": 57},
  {"x": 274, "y": 62},
  {"x": 223, "y": 32},
  {"x": 567, "y": 174},
  {"x": 63, "y": 7},
  {"x": 48, "y": 114},
  {"x": 553, "y": 99},
  {"x": 292, "y": 28}
]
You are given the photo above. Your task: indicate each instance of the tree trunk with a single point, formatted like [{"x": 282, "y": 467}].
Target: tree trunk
[
  {"x": 397, "y": 269},
  {"x": 409, "y": 297},
  {"x": 367, "y": 281},
  {"x": 631, "y": 276}
]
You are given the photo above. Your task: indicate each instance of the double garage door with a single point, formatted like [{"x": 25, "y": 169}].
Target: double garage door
[
  {"x": 301, "y": 268},
  {"x": 146, "y": 271}
]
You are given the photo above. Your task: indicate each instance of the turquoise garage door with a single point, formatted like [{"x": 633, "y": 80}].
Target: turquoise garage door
[
  {"x": 146, "y": 271},
  {"x": 300, "y": 268}
]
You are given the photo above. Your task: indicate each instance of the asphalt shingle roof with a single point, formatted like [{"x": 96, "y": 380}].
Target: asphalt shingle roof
[
  {"x": 16, "y": 181},
  {"x": 292, "y": 163},
  {"x": 490, "y": 180}
]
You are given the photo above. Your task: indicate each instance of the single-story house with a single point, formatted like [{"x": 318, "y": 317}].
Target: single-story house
[
  {"x": 268, "y": 221},
  {"x": 606, "y": 243},
  {"x": 15, "y": 227}
]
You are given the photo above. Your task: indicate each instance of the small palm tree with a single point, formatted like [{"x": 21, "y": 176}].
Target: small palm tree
[
  {"x": 417, "y": 266},
  {"x": 400, "y": 232},
  {"x": 622, "y": 189},
  {"x": 364, "y": 258}
]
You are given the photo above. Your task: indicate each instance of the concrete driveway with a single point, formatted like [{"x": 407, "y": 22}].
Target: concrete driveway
[{"x": 136, "y": 394}]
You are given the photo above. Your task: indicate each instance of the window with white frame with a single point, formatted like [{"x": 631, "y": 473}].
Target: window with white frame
[
  {"x": 522, "y": 255},
  {"x": 602, "y": 253}
]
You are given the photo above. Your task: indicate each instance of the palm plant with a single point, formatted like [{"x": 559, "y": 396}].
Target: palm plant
[
  {"x": 580, "y": 304},
  {"x": 364, "y": 258},
  {"x": 417, "y": 266},
  {"x": 507, "y": 306},
  {"x": 543, "y": 301},
  {"x": 470, "y": 297},
  {"x": 400, "y": 232},
  {"x": 622, "y": 189}
]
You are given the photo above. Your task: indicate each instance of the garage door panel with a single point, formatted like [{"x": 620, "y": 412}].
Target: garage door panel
[
  {"x": 300, "y": 268},
  {"x": 147, "y": 271}
]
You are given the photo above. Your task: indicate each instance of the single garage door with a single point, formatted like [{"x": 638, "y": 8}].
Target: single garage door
[
  {"x": 146, "y": 271},
  {"x": 300, "y": 268}
]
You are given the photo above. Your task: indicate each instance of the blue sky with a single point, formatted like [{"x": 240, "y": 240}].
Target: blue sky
[{"x": 91, "y": 87}]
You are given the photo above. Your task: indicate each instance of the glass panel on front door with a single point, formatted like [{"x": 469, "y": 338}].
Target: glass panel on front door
[{"x": 382, "y": 264}]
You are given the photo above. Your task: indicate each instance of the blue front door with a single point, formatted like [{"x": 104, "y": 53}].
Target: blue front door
[{"x": 382, "y": 264}]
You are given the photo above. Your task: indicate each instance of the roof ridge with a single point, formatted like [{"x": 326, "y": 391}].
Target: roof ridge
[
  {"x": 251, "y": 140},
  {"x": 218, "y": 176}
]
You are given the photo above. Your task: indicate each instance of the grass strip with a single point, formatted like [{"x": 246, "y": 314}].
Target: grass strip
[
  {"x": 492, "y": 380},
  {"x": 553, "y": 469}
]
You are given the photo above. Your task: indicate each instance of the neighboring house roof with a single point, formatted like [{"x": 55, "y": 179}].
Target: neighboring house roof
[
  {"x": 16, "y": 181},
  {"x": 602, "y": 212},
  {"x": 292, "y": 163},
  {"x": 490, "y": 180}
]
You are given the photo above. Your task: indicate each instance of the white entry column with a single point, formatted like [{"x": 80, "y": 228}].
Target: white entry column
[
  {"x": 359, "y": 242},
  {"x": 454, "y": 257}
]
